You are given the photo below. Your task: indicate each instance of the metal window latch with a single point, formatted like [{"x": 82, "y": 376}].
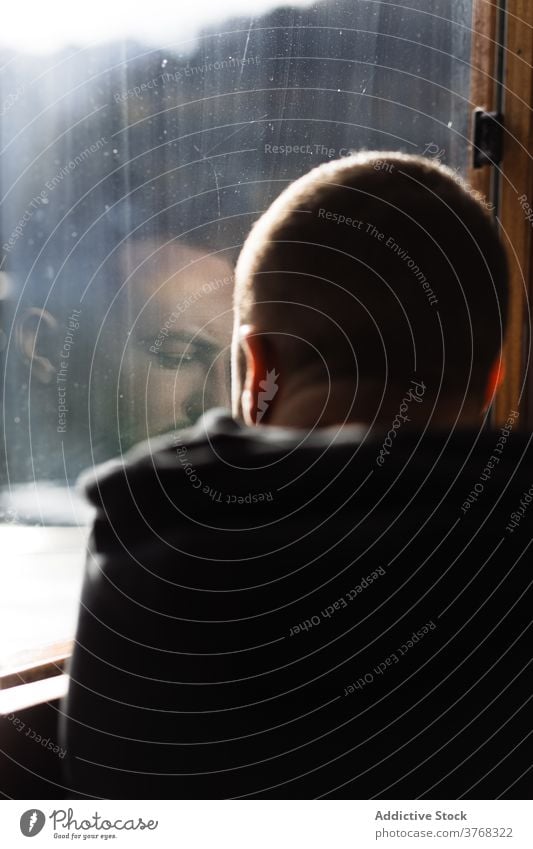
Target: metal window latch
[{"x": 487, "y": 138}]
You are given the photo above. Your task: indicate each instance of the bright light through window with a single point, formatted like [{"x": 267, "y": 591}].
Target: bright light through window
[{"x": 51, "y": 26}]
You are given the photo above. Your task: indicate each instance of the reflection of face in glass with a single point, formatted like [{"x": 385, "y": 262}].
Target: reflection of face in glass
[{"x": 169, "y": 332}]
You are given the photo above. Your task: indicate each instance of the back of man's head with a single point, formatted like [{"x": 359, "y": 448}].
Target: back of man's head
[{"x": 379, "y": 268}]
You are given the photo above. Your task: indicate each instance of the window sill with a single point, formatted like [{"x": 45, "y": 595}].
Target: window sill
[
  {"x": 40, "y": 584},
  {"x": 29, "y": 695}
]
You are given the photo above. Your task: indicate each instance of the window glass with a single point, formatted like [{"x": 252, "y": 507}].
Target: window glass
[{"x": 130, "y": 174}]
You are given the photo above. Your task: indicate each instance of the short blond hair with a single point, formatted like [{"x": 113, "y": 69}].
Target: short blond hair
[{"x": 375, "y": 251}]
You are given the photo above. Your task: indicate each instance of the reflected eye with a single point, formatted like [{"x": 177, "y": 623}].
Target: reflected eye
[
  {"x": 171, "y": 360},
  {"x": 178, "y": 351}
]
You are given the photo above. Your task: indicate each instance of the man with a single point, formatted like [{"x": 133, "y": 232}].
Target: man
[{"x": 323, "y": 596}]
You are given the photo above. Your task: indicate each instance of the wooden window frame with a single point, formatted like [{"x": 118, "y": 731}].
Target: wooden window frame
[
  {"x": 513, "y": 179},
  {"x": 35, "y": 682}
]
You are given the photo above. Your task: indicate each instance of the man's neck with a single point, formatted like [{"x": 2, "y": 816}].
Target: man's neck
[{"x": 342, "y": 403}]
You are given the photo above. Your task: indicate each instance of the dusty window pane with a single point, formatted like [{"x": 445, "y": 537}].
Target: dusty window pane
[{"x": 130, "y": 176}]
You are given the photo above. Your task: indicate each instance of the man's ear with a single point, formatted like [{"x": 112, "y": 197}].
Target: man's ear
[
  {"x": 262, "y": 375},
  {"x": 36, "y": 336},
  {"x": 495, "y": 380}
]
